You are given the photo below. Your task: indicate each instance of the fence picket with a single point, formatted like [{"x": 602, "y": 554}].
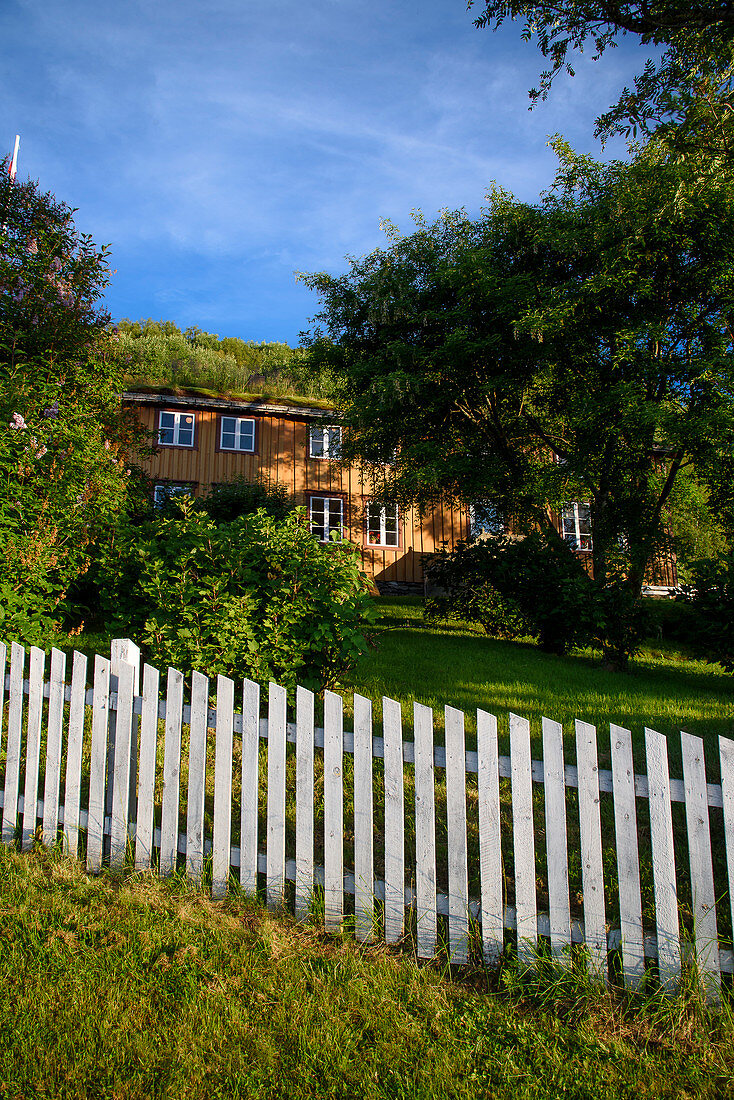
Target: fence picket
[
  {"x": 726, "y": 758},
  {"x": 456, "y": 820},
  {"x": 490, "y": 841},
  {"x": 97, "y": 763},
  {"x": 364, "y": 904},
  {"x": 3, "y": 661},
  {"x": 249, "y": 788},
  {"x": 74, "y": 748},
  {"x": 523, "y": 831},
  {"x": 392, "y": 732},
  {"x": 701, "y": 865},
  {"x": 12, "y": 756},
  {"x": 592, "y": 867},
  {"x": 333, "y": 811},
  {"x": 197, "y": 776},
  {"x": 53, "y": 746},
  {"x": 146, "y": 769},
  {"x": 276, "y": 795},
  {"x": 663, "y": 858},
  {"x": 425, "y": 832},
  {"x": 122, "y": 780},
  {"x": 33, "y": 747},
  {"x": 556, "y": 840},
  {"x": 628, "y": 857},
  {"x": 222, "y": 837},
  {"x": 304, "y": 801},
  {"x": 171, "y": 772}
]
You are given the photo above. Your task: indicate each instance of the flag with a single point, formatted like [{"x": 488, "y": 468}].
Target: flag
[{"x": 14, "y": 161}]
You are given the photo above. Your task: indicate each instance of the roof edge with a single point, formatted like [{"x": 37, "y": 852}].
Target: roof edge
[{"x": 219, "y": 403}]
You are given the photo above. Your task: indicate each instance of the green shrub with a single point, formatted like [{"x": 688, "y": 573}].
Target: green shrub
[
  {"x": 257, "y": 597},
  {"x": 231, "y": 499},
  {"x": 711, "y": 600}
]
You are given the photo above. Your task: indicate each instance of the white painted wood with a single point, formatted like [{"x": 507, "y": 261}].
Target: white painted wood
[
  {"x": 125, "y": 651},
  {"x": 33, "y": 747},
  {"x": 304, "y": 801},
  {"x": 726, "y": 758},
  {"x": 53, "y": 746},
  {"x": 701, "y": 865},
  {"x": 222, "y": 834},
  {"x": 74, "y": 749},
  {"x": 97, "y": 763},
  {"x": 425, "y": 832},
  {"x": 490, "y": 843},
  {"x": 122, "y": 780},
  {"x": 171, "y": 771},
  {"x": 523, "y": 837},
  {"x": 364, "y": 874},
  {"x": 197, "y": 777},
  {"x": 146, "y": 776},
  {"x": 3, "y": 661},
  {"x": 458, "y": 924},
  {"x": 333, "y": 811},
  {"x": 556, "y": 840},
  {"x": 392, "y": 732},
  {"x": 249, "y": 796},
  {"x": 663, "y": 858},
  {"x": 275, "y": 874},
  {"x": 12, "y": 759},
  {"x": 628, "y": 857},
  {"x": 592, "y": 867}
]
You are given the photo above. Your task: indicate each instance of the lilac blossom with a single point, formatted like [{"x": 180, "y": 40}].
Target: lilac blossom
[{"x": 17, "y": 423}]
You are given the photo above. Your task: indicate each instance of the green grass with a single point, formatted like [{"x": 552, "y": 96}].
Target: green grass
[{"x": 131, "y": 987}]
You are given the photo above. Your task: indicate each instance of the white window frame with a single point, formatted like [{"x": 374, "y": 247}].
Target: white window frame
[
  {"x": 571, "y": 526},
  {"x": 490, "y": 529},
  {"x": 164, "y": 490},
  {"x": 238, "y": 421},
  {"x": 383, "y": 510},
  {"x": 328, "y": 438},
  {"x": 326, "y": 527},
  {"x": 177, "y": 428}
]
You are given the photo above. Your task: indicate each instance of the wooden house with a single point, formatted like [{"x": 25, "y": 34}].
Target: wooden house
[{"x": 203, "y": 441}]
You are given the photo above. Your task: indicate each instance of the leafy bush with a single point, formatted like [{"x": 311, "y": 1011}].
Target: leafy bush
[
  {"x": 257, "y": 597},
  {"x": 231, "y": 499},
  {"x": 534, "y": 585},
  {"x": 711, "y": 600}
]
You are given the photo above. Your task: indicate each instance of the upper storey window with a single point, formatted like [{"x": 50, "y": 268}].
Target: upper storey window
[
  {"x": 325, "y": 442},
  {"x": 576, "y": 525},
  {"x": 237, "y": 434},
  {"x": 176, "y": 429}
]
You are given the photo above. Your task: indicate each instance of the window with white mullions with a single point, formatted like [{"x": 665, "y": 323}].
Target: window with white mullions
[
  {"x": 237, "y": 434},
  {"x": 383, "y": 528},
  {"x": 576, "y": 525},
  {"x": 485, "y": 519},
  {"x": 176, "y": 429},
  {"x": 325, "y": 442},
  {"x": 326, "y": 515},
  {"x": 164, "y": 490}
]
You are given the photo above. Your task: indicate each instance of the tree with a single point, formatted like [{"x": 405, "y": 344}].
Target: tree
[
  {"x": 689, "y": 90},
  {"x": 64, "y": 442},
  {"x": 577, "y": 349}
]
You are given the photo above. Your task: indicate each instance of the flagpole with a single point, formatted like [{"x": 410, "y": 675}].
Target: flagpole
[{"x": 14, "y": 161}]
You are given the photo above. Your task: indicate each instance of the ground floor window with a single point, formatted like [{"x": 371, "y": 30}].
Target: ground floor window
[
  {"x": 576, "y": 525},
  {"x": 164, "y": 490},
  {"x": 383, "y": 525},
  {"x": 485, "y": 519},
  {"x": 326, "y": 516}
]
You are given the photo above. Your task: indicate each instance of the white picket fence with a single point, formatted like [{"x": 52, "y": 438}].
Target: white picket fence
[{"x": 120, "y": 749}]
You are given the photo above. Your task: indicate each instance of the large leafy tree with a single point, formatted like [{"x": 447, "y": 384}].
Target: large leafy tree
[
  {"x": 686, "y": 87},
  {"x": 577, "y": 349},
  {"x": 64, "y": 442}
]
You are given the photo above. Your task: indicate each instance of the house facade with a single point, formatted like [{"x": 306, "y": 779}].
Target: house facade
[{"x": 206, "y": 441}]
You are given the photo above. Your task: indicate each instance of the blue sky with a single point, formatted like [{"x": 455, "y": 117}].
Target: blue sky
[{"x": 220, "y": 146}]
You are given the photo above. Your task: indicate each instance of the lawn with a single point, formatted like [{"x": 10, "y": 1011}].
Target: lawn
[{"x": 132, "y": 987}]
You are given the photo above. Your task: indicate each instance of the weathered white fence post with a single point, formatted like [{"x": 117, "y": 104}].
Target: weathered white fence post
[{"x": 122, "y": 651}]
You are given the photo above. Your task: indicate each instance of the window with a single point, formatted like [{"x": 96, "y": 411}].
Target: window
[
  {"x": 327, "y": 516},
  {"x": 325, "y": 442},
  {"x": 237, "y": 434},
  {"x": 176, "y": 429},
  {"x": 485, "y": 519},
  {"x": 164, "y": 490},
  {"x": 382, "y": 525},
  {"x": 576, "y": 525}
]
